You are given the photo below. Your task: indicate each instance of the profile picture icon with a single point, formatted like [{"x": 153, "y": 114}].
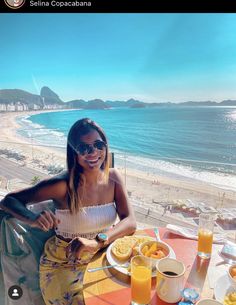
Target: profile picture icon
[
  {"x": 15, "y": 292},
  {"x": 14, "y": 4}
]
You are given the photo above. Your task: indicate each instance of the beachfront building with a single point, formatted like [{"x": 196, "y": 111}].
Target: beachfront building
[
  {"x": 11, "y": 107},
  {"x": 3, "y": 107},
  {"x": 53, "y": 106},
  {"x": 21, "y": 107},
  {"x": 18, "y": 106},
  {"x": 36, "y": 107}
]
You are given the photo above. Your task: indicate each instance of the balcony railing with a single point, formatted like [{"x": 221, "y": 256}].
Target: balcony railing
[{"x": 156, "y": 196}]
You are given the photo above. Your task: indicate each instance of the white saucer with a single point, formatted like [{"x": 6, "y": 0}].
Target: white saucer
[{"x": 223, "y": 287}]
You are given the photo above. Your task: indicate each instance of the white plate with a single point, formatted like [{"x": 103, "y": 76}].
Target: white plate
[
  {"x": 223, "y": 287},
  {"x": 112, "y": 260}
]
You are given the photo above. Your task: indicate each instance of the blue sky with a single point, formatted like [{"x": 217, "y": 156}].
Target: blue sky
[{"x": 150, "y": 57}]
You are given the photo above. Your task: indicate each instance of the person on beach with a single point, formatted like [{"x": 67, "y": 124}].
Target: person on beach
[{"x": 88, "y": 198}]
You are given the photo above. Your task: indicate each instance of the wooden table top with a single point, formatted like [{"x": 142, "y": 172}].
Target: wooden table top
[{"x": 110, "y": 287}]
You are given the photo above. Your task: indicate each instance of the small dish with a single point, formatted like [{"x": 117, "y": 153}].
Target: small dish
[
  {"x": 232, "y": 275},
  {"x": 208, "y": 302},
  {"x": 222, "y": 288},
  {"x": 156, "y": 250}
]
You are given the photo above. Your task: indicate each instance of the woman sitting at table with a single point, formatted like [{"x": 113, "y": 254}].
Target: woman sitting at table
[{"x": 88, "y": 198}]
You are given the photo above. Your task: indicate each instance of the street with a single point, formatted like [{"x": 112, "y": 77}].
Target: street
[{"x": 11, "y": 170}]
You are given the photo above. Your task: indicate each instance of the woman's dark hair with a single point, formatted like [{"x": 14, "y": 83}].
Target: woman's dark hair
[{"x": 75, "y": 170}]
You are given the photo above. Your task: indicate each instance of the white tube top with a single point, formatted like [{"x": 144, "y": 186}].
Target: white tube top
[{"x": 88, "y": 222}]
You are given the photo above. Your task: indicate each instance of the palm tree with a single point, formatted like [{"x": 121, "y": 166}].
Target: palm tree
[{"x": 35, "y": 180}]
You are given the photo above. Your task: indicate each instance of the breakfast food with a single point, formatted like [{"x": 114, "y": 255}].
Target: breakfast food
[
  {"x": 233, "y": 272},
  {"x": 154, "y": 250},
  {"x": 122, "y": 249},
  {"x": 126, "y": 247},
  {"x": 230, "y": 299}
]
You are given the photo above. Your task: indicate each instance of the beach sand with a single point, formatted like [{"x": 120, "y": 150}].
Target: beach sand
[
  {"x": 33, "y": 153},
  {"x": 145, "y": 189}
]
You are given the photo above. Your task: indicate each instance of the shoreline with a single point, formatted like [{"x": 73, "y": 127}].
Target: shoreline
[
  {"x": 29, "y": 148},
  {"x": 140, "y": 184}
]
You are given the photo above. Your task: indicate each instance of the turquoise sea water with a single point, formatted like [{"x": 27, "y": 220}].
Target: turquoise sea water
[{"x": 192, "y": 142}]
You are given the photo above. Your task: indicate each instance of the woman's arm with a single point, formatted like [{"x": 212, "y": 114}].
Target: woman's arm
[
  {"x": 127, "y": 223},
  {"x": 15, "y": 202}
]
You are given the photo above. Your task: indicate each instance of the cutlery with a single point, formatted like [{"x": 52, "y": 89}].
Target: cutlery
[
  {"x": 156, "y": 231},
  {"x": 226, "y": 259},
  {"x": 126, "y": 265}
]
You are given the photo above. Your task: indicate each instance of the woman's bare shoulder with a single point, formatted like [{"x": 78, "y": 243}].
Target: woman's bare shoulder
[
  {"x": 114, "y": 175},
  {"x": 60, "y": 178},
  {"x": 57, "y": 183}
]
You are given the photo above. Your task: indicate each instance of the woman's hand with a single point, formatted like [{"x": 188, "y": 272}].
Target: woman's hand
[
  {"x": 79, "y": 246},
  {"x": 46, "y": 221}
]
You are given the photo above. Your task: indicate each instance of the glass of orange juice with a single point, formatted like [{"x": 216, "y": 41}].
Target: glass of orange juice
[
  {"x": 205, "y": 234},
  {"x": 141, "y": 280}
]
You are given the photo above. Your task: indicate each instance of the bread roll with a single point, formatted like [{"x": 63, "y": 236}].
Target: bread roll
[{"x": 124, "y": 248}]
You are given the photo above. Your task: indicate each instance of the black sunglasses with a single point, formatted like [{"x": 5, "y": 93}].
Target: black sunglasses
[{"x": 84, "y": 148}]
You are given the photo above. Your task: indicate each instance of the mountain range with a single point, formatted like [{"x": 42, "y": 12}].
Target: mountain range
[{"x": 47, "y": 99}]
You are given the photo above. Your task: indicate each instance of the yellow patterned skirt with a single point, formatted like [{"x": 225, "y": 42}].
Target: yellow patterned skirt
[{"x": 61, "y": 278}]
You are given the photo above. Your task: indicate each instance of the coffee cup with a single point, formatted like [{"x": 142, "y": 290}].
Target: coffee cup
[{"x": 170, "y": 279}]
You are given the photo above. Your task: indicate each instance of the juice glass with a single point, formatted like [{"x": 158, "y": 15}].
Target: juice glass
[
  {"x": 141, "y": 279},
  {"x": 205, "y": 234}
]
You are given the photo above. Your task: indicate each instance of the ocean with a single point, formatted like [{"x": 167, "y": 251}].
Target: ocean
[{"x": 196, "y": 143}]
